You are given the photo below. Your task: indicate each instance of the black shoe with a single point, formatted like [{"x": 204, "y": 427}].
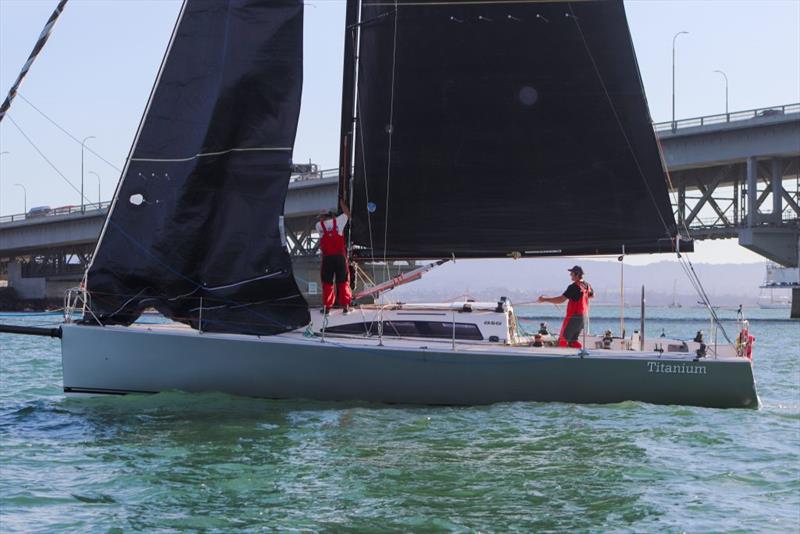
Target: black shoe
[
  {"x": 346, "y": 310},
  {"x": 325, "y": 311}
]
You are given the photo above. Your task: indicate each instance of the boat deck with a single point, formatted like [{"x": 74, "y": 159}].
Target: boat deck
[{"x": 482, "y": 348}]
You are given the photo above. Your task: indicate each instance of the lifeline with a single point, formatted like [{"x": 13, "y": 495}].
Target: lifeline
[{"x": 676, "y": 368}]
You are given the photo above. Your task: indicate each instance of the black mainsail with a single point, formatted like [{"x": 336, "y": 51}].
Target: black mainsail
[
  {"x": 195, "y": 229},
  {"x": 491, "y": 128}
]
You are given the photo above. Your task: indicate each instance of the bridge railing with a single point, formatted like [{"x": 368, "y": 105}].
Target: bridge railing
[
  {"x": 52, "y": 212},
  {"x": 314, "y": 175},
  {"x": 311, "y": 174},
  {"x": 718, "y": 223},
  {"x": 722, "y": 118}
]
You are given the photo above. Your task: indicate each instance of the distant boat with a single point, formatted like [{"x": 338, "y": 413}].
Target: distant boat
[
  {"x": 675, "y": 303},
  {"x": 768, "y": 301},
  {"x": 780, "y": 303}
]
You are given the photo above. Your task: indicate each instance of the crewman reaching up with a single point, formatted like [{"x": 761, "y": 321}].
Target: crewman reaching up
[
  {"x": 334, "y": 259},
  {"x": 577, "y": 296}
]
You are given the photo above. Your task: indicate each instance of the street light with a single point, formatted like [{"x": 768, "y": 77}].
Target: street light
[
  {"x": 24, "y": 198},
  {"x": 673, "y": 75},
  {"x": 83, "y": 146},
  {"x": 726, "y": 93},
  {"x": 98, "y": 188}
]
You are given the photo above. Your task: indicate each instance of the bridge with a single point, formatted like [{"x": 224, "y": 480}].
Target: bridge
[
  {"x": 738, "y": 175},
  {"x": 734, "y": 175}
]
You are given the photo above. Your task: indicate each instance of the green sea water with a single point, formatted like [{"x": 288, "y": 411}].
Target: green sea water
[{"x": 177, "y": 462}]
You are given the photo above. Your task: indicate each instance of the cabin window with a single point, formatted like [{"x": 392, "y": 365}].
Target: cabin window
[
  {"x": 463, "y": 330},
  {"x": 352, "y": 328},
  {"x": 401, "y": 328},
  {"x": 427, "y": 329}
]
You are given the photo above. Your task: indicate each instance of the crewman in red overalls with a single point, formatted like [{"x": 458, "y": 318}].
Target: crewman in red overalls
[
  {"x": 577, "y": 296},
  {"x": 334, "y": 259}
]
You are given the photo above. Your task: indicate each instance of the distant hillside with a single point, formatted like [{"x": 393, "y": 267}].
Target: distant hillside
[{"x": 524, "y": 280}]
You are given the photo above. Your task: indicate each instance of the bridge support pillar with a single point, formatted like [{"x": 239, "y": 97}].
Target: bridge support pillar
[
  {"x": 776, "y": 184},
  {"x": 795, "y": 313},
  {"x": 752, "y": 191},
  {"x": 26, "y": 288}
]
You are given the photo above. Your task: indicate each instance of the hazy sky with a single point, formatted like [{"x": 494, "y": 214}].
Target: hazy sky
[{"x": 96, "y": 72}]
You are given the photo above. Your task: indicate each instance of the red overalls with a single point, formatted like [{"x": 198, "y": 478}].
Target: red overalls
[
  {"x": 334, "y": 265},
  {"x": 575, "y": 308}
]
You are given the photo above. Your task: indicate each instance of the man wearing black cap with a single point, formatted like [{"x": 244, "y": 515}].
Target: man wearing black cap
[{"x": 577, "y": 296}]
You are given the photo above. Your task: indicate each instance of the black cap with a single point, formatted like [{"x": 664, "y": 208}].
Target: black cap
[{"x": 577, "y": 270}]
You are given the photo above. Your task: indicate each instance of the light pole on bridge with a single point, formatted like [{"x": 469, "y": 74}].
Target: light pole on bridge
[
  {"x": 24, "y": 198},
  {"x": 83, "y": 146},
  {"x": 727, "y": 116},
  {"x": 98, "y": 188},
  {"x": 673, "y": 75}
]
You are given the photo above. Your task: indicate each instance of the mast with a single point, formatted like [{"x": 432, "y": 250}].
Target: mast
[{"x": 346, "y": 135}]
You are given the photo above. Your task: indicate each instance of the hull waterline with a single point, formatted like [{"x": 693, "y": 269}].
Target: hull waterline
[{"x": 138, "y": 360}]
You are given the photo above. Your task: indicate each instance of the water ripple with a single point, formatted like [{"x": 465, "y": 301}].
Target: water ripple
[{"x": 175, "y": 462}]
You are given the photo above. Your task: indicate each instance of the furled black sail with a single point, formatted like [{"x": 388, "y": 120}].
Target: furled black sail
[
  {"x": 196, "y": 226},
  {"x": 489, "y": 128}
]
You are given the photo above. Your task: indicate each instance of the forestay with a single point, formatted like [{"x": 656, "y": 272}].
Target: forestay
[
  {"x": 491, "y": 128},
  {"x": 195, "y": 229}
]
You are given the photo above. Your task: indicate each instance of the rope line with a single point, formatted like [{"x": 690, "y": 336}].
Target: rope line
[
  {"x": 54, "y": 123},
  {"x": 689, "y": 271},
  {"x": 36, "y": 148},
  {"x": 619, "y": 122}
]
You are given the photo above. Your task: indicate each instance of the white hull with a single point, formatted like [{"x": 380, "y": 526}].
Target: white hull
[{"x": 143, "y": 359}]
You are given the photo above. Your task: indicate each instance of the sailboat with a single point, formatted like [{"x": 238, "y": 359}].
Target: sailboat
[
  {"x": 770, "y": 302},
  {"x": 469, "y": 130},
  {"x": 674, "y": 303}
]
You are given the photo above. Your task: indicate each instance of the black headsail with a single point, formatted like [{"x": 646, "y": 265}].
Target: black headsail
[
  {"x": 488, "y": 128},
  {"x": 196, "y": 225}
]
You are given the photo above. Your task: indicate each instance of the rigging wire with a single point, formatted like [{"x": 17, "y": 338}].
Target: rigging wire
[
  {"x": 619, "y": 122},
  {"x": 686, "y": 262},
  {"x": 54, "y": 123},
  {"x": 690, "y": 272},
  {"x": 38, "y": 150}
]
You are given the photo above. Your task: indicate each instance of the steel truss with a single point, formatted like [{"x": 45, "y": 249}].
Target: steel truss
[
  {"x": 62, "y": 261},
  {"x": 714, "y": 202}
]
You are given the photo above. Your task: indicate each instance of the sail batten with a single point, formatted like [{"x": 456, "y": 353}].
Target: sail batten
[
  {"x": 489, "y": 129},
  {"x": 195, "y": 228}
]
